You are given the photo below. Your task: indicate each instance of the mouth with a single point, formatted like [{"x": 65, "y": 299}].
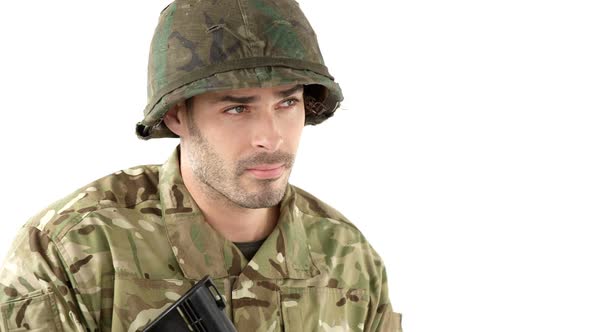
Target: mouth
[{"x": 267, "y": 171}]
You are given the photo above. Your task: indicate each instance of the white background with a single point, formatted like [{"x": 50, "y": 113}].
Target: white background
[{"x": 461, "y": 151}]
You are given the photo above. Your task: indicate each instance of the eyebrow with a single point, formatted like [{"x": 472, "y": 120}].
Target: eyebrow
[
  {"x": 251, "y": 99},
  {"x": 288, "y": 92}
]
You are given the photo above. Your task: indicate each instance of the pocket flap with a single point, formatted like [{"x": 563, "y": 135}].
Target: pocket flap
[{"x": 35, "y": 311}]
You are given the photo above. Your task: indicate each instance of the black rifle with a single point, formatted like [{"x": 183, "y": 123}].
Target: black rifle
[{"x": 199, "y": 310}]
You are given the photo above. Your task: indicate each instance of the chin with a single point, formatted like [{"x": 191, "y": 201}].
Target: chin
[{"x": 265, "y": 197}]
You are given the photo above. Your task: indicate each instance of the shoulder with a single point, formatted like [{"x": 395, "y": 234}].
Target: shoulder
[
  {"x": 123, "y": 189},
  {"x": 331, "y": 229},
  {"x": 337, "y": 246},
  {"x": 319, "y": 216},
  {"x": 313, "y": 206}
]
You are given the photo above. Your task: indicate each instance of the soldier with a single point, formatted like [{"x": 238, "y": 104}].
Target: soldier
[{"x": 236, "y": 81}]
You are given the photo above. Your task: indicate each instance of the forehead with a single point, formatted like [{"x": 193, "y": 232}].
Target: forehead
[{"x": 278, "y": 91}]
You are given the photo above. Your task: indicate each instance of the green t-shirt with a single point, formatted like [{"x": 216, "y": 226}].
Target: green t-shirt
[{"x": 249, "y": 249}]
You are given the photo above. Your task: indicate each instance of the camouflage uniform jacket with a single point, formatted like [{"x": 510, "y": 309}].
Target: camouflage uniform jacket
[{"x": 117, "y": 252}]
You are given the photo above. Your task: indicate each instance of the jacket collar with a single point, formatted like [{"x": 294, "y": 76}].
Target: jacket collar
[{"x": 200, "y": 250}]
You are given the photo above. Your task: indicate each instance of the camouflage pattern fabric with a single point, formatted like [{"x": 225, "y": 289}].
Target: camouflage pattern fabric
[
  {"x": 116, "y": 253},
  {"x": 203, "y": 46}
]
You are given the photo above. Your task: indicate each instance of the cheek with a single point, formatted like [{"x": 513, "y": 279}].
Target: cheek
[
  {"x": 299, "y": 123},
  {"x": 226, "y": 144},
  {"x": 293, "y": 129}
]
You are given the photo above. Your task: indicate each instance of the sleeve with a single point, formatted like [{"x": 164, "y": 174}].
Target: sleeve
[
  {"x": 36, "y": 292},
  {"x": 381, "y": 317}
]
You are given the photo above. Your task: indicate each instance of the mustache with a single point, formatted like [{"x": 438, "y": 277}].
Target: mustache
[{"x": 265, "y": 158}]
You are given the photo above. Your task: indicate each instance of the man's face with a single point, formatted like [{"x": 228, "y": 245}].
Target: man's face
[{"x": 241, "y": 144}]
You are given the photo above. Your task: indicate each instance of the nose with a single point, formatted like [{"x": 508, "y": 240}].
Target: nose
[{"x": 267, "y": 134}]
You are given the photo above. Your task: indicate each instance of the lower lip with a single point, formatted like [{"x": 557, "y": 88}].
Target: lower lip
[{"x": 267, "y": 174}]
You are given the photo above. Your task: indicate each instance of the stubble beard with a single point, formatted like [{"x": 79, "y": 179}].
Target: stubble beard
[{"x": 222, "y": 182}]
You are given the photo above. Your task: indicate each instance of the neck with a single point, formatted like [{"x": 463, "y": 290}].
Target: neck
[{"x": 233, "y": 222}]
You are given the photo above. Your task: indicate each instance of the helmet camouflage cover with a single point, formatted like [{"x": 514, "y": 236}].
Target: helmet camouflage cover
[{"x": 202, "y": 46}]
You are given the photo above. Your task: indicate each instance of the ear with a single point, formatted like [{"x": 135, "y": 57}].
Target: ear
[{"x": 175, "y": 119}]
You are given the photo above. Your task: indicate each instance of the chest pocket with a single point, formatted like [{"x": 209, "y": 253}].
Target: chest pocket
[
  {"x": 37, "y": 312},
  {"x": 323, "y": 309},
  {"x": 137, "y": 302}
]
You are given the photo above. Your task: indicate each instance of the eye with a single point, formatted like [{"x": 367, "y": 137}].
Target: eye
[
  {"x": 235, "y": 110},
  {"x": 289, "y": 102}
]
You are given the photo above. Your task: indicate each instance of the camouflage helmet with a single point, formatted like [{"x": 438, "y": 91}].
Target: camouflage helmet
[{"x": 202, "y": 46}]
